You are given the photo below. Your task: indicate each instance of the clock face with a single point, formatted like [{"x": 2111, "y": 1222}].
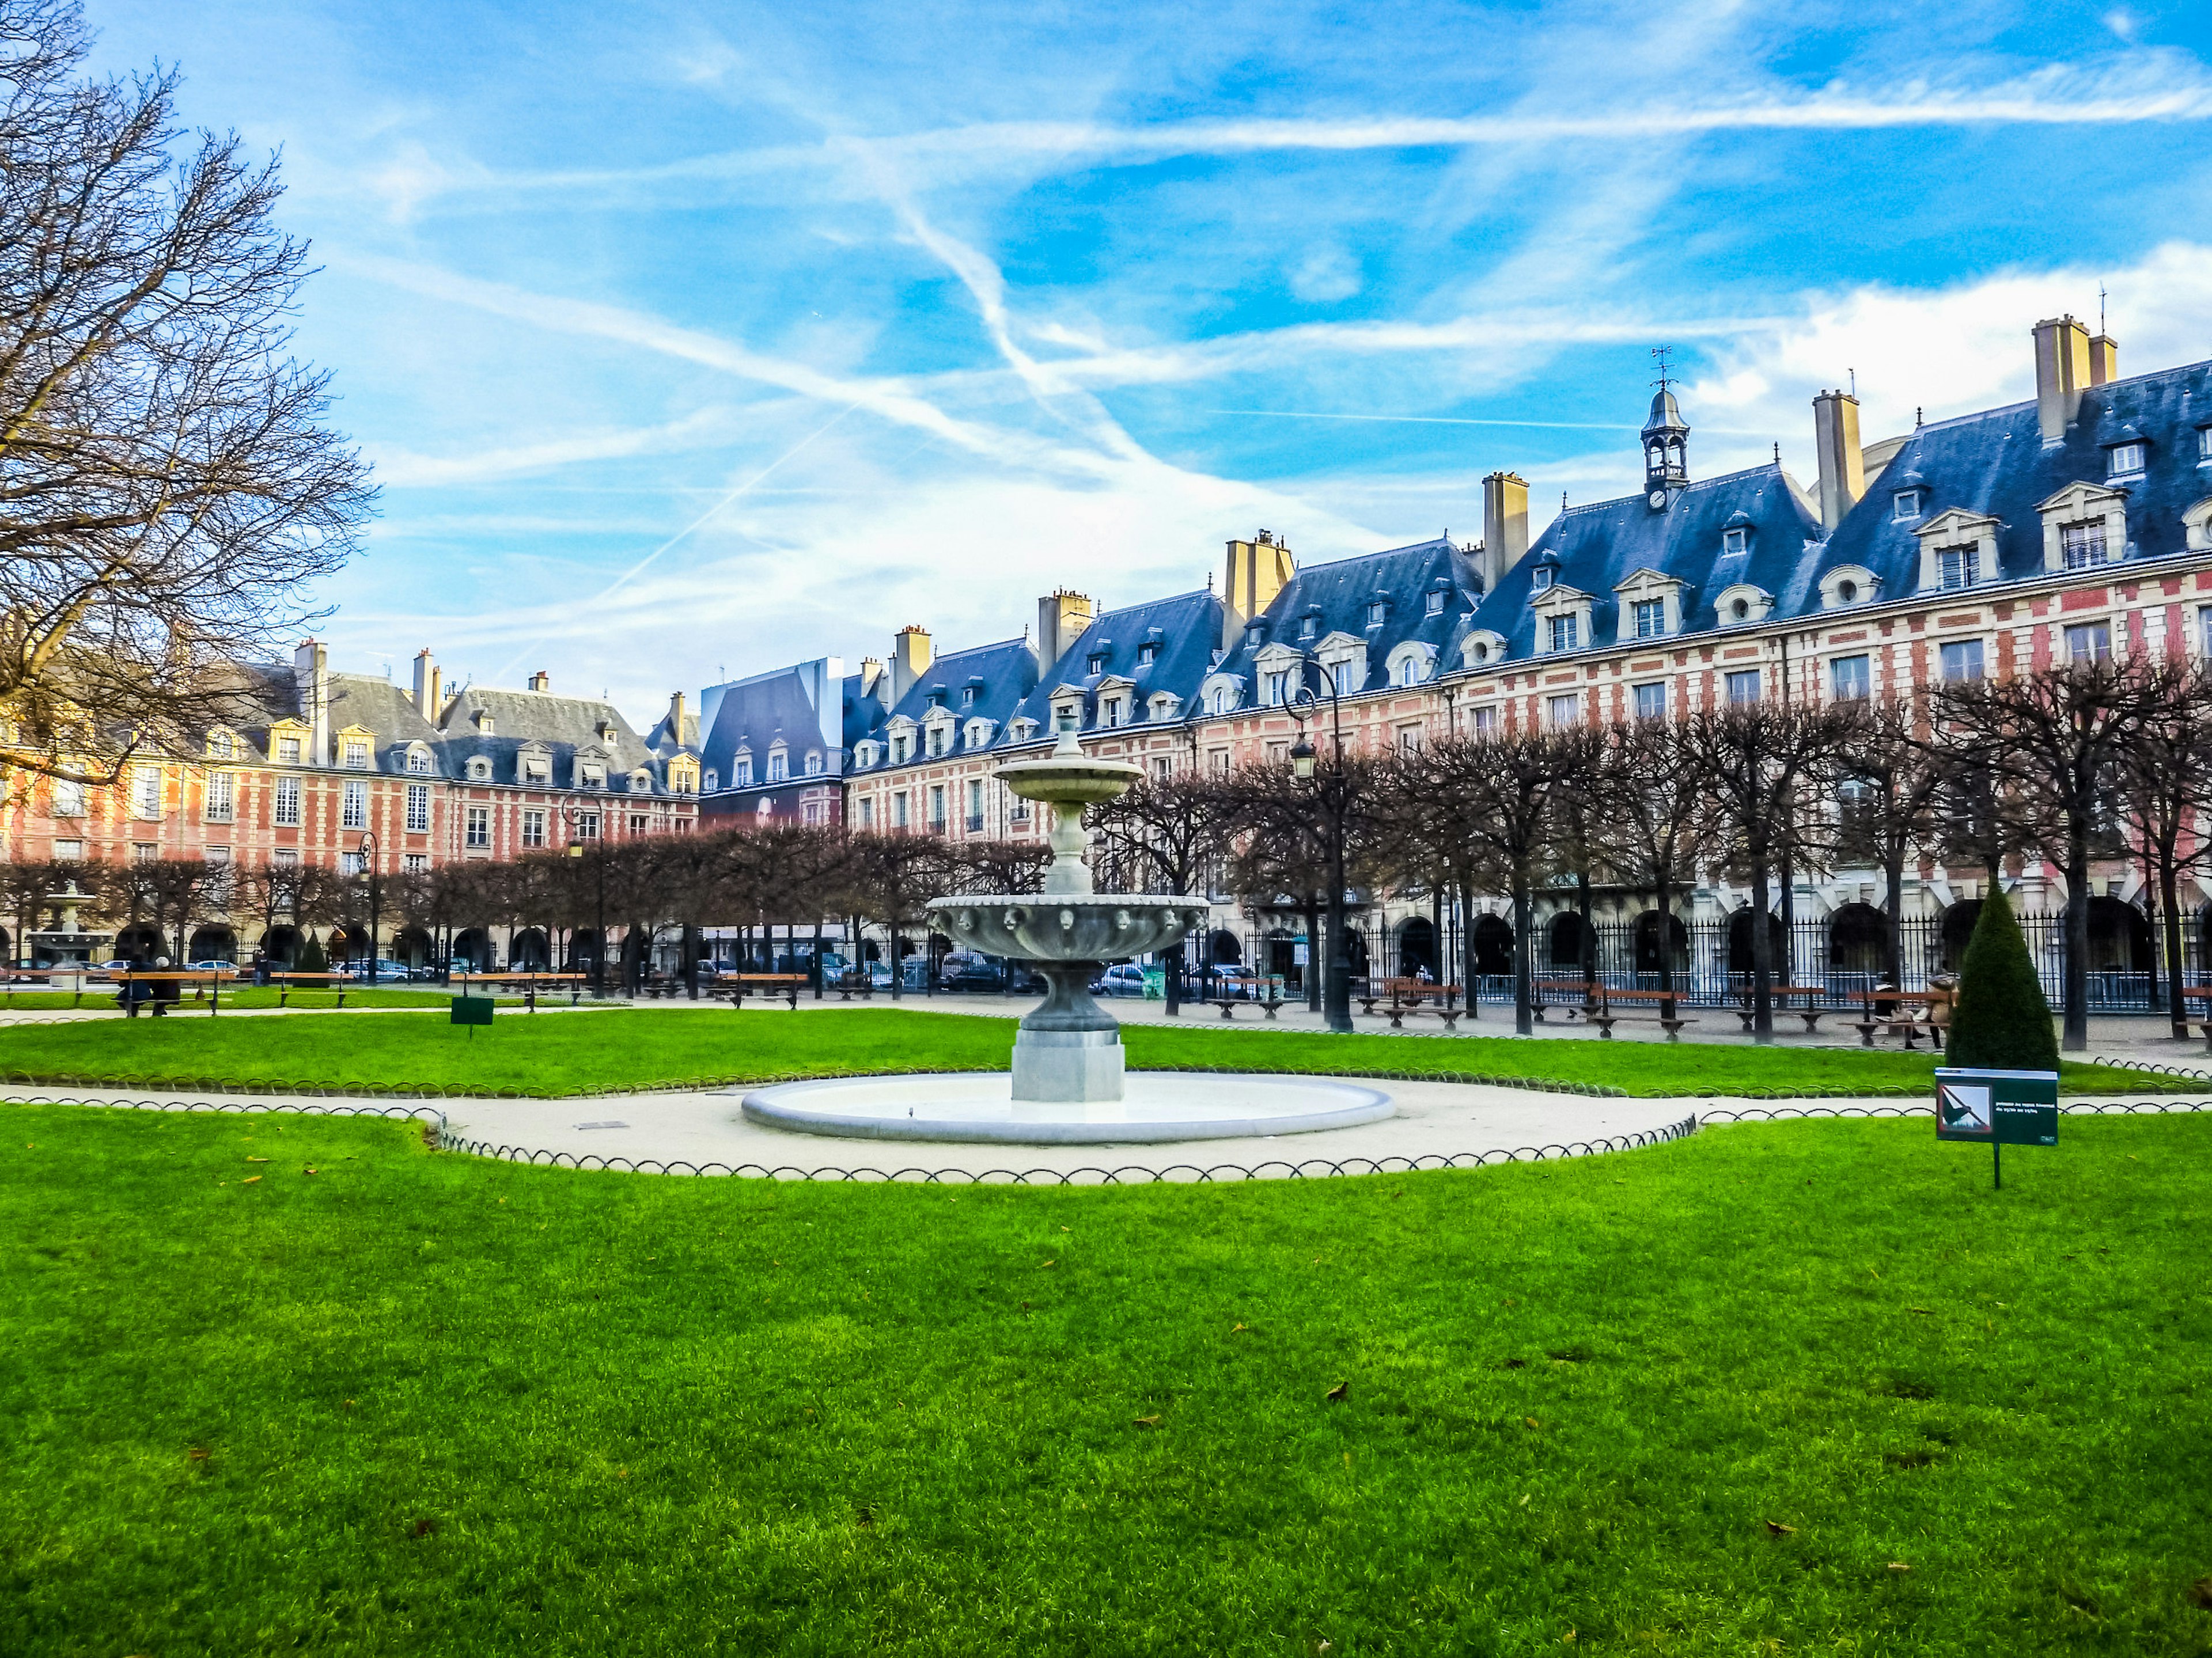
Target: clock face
[{"x": 1658, "y": 498}]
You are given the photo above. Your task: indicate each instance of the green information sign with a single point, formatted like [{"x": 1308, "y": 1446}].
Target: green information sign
[
  {"x": 1997, "y": 1107},
  {"x": 472, "y": 1010}
]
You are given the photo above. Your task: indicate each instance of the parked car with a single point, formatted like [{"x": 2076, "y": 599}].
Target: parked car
[
  {"x": 965, "y": 970},
  {"x": 211, "y": 966},
  {"x": 1122, "y": 979},
  {"x": 387, "y": 972},
  {"x": 119, "y": 965}
]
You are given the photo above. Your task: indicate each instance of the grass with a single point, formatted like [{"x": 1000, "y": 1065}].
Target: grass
[
  {"x": 1781, "y": 1388},
  {"x": 584, "y": 1053}
]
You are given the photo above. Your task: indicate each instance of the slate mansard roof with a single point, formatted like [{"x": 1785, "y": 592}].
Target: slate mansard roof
[
  {"x": 793, "y": 705},
  {"x": 1339, "y": 597},
  {"x": 1165, "y": 645},
  {"x": 1995, "y": 465},
  {"x": 986, "y": 683},
  {"x": 1593, "y": 548}
]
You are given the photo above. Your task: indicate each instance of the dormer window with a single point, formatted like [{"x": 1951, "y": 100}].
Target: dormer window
[
  {"x": 1905, "y": 505},
  {"x": 968, "y": 696},
  {"x": 220, "y": 746},
  {"x": 2205, "y": 443},
  {"x": 1147, "y": 653},
  {"x": 1648, "y": 618},
  {"x": 2127, "y": 458},
  {"x": 1375, "y": 612},
  {"x": 1436, "y": 606},
  {"x": 593, "y": 777},
  {"x": 1563, "y": 632},
  {"x": 814, "y": 762},
  {"x": 1958, "y": 567},
  {"x": 479, "y": 769},
  {"x": 356, "y": 754},
  {"x": 713, "y": 780},
  {"x": 1542, "y": 578},
  {"x": 1308, "y": 626},
  {"x": 741, "y": 771},
  {"x": 1276, "y": 688},
  {"x": 1740, "y": 610},
  {"x": 1480, "y": 652},
  {"x": 2081, "y": 546},
  {"x": 418, "y": 761},
  {"x": 1095, "y": 662},
  {"x": 778, "y": 764},
  {"x": 1736, "y": 541},
  {"x": 537, "y": 770}
]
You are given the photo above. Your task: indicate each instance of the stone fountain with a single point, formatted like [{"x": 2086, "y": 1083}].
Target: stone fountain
[{"x": 1067, "y": 1085}]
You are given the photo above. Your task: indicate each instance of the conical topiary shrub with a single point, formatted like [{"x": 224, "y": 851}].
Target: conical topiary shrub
[
  {"x": 312, "y": 959},
  {"x": 2000, "y": 1021}
]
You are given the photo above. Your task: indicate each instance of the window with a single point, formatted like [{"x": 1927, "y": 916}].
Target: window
[
  {"x": 1743, "y": 686},
  {"x": 1409, "y": 739},
  {"x": 479, "y": 769},
  {"x": 2205, "y": 443},
  {"x": 1851, "y": 678},
  {"x": 414, "y": 863},
  {"x": 1163, "y": 767},
  {"x": 356, "y": 754},
  {"x": 1651, "y": 701},
  {"x": 286, "y": 811},
  {"x": 779, "y": 763},
  {"x": 588, "y": 826},
  {"x": 1096, "y": 664},
  {"x": 348, "y": 863},
  {"x": 1409, "y": 672},
  {"x": 68, "y": 798},
  {"x": 974, "y": 805},
  {"x": 713, "y": 780},
  {"x": 1542, "y": 578},
  {"x": 68, "y": 851},
  {"x": 1846, "y": 590},
  {"x": 967, "y": 697},
  {"x": 814, "y": 762},
  {"x": 867, "y": 813},
  {"x": 222, "y": 796},
  {"x": 1147, "y": 653},
  {"x": 1308, "y": 627},
  {"x": 288, "y": 750},
  {"x": 418, "y": 808},
  {"x": 2127, "y": 458},
  {"x": 2082, "y": 545},
  {"x": 1962, "y": 659},
  {"x": 144, "y": 852},
  {"x": 2203, "y": 629},
  {"x": 1564, "y": 710},
  {"x": 1959, "y": 567},
  {"x": 2089, "y": 641},
  {"x": 284, "y": 858},
  {"x": 1486, "y": 721},
  {"x": 741, "y": 773},
  {"x": 1905, "y": 505},
  {"x": 1740, "y": 610},
  {"x": 418, "y": 761},
  {"x": 898, "y": 809},
  {"x": 639, "y": 822},
  {"x": 1374, "y": 613},
  {"x": 593, "y": 777},
  {"x": 1563, "y": 632},
  {"x": 146, "y": 791},
  {"x": 937, "y": 806},
  {"x": 1277, "y": 688},
  {"x": 1112, "y": 711},
  {"x": 220, "y": 746},
  {"x": 537, "y": 770},
  {"x": 1437, "y": 602},
  {"x": 353, "y": 807},
  {"x": 1650, "y": 616},
  {"x": 1735, "y": 540},
  {"x": 1218, "y": 761},
  {"x": 479, "y": 832}
]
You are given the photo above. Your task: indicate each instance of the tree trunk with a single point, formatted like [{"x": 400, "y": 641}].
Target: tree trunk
[
  {"x": 1524, "y": 1017},
  {"x": 1467, "y": 961},
  {"x": 1314, "y": 958},
  {"x": 1587, "y": 940},
  {"x": 898, "y": 966},
  {"x": 1893, "y": 877},
  {"x": 1666, "y": 930},
  {"x": 1786, "y": 878},
  {"x": 1171, "y": 978},
  {"x": 2169, "y": 898},
  {"x": 817, "y": 958},
  {"x": 1762, "y": 955},
  {"x": 2076, "y": 991}
]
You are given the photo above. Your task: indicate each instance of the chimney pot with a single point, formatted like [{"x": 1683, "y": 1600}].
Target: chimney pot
[
  {"x": 1842, "y": 458},
  {"x": 2062, "y": 373},
  {"x": 2103, "y": 360},
  {"x": 1258, "y": 570},
  {"x": 541, "y": 681},
  {"x": 911, "y": 655},
  {"x": 1504, "y": 525}
]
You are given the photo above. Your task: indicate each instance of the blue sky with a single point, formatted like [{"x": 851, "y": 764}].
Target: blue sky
[{"x": 694, "y": 339}]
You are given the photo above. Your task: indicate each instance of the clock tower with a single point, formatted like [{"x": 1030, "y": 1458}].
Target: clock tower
[{"x": 1665, "y": 442}]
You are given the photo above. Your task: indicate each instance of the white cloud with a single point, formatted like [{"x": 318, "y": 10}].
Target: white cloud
[{"x": 1325, "y": 274}]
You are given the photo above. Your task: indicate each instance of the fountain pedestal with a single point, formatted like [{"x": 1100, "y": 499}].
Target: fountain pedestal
[{"x": 1068, "y": 1050}]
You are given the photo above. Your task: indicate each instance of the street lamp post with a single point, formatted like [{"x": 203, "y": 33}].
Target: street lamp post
[
  {"x": 575, "y": 815},
  {"x": 1336, "y": 978},
  {"x": 374, "y": 888}
]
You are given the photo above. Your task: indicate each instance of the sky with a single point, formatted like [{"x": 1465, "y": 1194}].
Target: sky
[{"x": 691, "y": 340}]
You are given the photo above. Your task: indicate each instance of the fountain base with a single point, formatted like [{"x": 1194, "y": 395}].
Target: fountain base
[
  {"x": 1067, "y": 1067},
  {"x": 978, "y": 1108}
]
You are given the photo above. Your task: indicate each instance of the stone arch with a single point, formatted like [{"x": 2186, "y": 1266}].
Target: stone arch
[
  {"x": 1739, "y": 944},
  {"x": 1417, "y": 948},
  {"x": 1563, "y": 941},
  {"x": 1647, "y": 943},
  {"x": 1494, "y": 946},
  {"x": 473, "y": 946},
  {"x": 1858, "y": 940},
  {"x": 1224, "y": 949}
]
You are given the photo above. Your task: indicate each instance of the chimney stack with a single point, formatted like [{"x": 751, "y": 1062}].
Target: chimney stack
[
  {"x": 676, "y": 720},
  {"x": 311, "y": 674},
  {"x": 541, "y": 681},
  {"x": 1504, "y": 525},
  {"x": 2061, "y": 373},
  {"x": 2103, "y": 360},
  {"x": 1258, "y": 570},
  {"x": 1062, "y": 617},
  {"x": 911, "y": 655},
  {"x": 1842, "y": 459},
  {"x": 428, "y": 685}
]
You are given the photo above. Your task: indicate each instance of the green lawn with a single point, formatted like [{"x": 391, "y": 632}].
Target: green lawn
[
  {"x": 1775, "y": 1389},
  {"x": 590, "y": 1052},
  {"x": 245, "y": 996}
]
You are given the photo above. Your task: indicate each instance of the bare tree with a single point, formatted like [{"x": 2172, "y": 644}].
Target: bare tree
[
  {"x": 1759, "y": 760},
  {"x": 2168, "y": 783},
  {"x": 1889, "y": 782},
  {"x": 892, "y": 878},
  {"x": 2056, "y": 740},
  {"x": 1161, "y": 836},
  {"x": 166, "y": 482},
  {"x": 26, "y": 889},
  {"x": 1649, "y": 792}
]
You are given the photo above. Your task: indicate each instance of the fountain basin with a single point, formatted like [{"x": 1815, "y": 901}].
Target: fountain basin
[
  {"x": 1089, "y": 927},
  {"x": 1155, "y": 1107}
]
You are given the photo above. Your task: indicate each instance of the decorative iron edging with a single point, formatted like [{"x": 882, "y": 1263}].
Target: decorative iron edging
[
  {"x": 1124, "y": 1174},
  {"x": 2079, "y": 1107}
]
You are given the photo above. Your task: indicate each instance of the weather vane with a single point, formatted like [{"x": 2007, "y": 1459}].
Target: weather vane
[{"x": 1661, "y": 355}]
